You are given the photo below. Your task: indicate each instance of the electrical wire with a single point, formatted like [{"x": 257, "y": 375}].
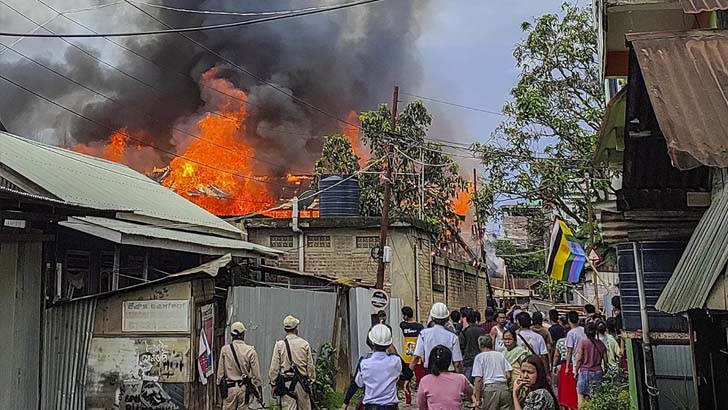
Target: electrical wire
[
  {"x": 455, "y": 104},
  {"x": 191, "y": 29},
  {"x": 227, "y": 13},
  {"x": 158, "y": 92},
  {"x": 423, "y": 163},
  {"x": 250, "y": 73},
  {"x": 137, "y": 140}
]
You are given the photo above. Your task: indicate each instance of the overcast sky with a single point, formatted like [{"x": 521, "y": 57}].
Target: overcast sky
[{"x": 467, "y": 59}]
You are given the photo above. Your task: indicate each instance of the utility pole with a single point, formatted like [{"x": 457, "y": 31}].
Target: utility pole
[
  {"x": 490, "y": 300},
  {"x": 384, "y": 228},
  {"x": 590, "y": 218}
]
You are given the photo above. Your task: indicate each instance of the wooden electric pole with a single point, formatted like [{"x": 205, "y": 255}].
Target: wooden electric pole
[
  {"x": 590, "y": 219},
  {"x": 384, "y": 228}
]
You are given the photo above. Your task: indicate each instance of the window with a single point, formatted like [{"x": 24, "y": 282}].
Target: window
[
  {"x": 318, "y": 241},
  {"x": 367, "y": 242},
  {"x": 438, "y": 277},
  {"x": 281, "y": 241},
  {"x": 78, "y": 267}
]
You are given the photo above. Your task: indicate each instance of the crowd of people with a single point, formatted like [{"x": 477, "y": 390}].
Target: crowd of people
[{"x": 514, "y": 360}]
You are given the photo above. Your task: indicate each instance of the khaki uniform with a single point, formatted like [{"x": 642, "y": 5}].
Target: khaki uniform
[
  {"x": 302, "y": 357},
  {"x": 248, "y": 359}
]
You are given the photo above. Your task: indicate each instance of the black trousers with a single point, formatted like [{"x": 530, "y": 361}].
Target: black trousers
[{"x": 381, "y": 407}]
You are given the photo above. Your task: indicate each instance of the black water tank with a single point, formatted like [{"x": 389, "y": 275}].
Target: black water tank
[
  {"x": 659, "y": 260},
  {"x": 341, "y": 199}
]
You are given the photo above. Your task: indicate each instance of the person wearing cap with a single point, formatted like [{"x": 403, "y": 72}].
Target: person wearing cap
[
  {"x": 378, "y": 372},
  {"x": 242, "y": 374},
  {"x": 437, "y": 335},
  {"x": 292, "y": 365}
]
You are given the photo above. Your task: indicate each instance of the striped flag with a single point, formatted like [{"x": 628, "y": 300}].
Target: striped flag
[{"x": 566, "y": 256}]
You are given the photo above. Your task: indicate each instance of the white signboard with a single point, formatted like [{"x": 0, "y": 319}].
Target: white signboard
[{"x": 155, "y": 316}]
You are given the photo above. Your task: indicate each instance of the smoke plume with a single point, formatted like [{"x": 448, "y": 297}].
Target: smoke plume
[{"x": 340, "y": 61}]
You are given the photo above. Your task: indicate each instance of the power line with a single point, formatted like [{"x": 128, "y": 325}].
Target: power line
[
  {"x": 158, "y": 92},
  {"x": 191, "y": 29},
  {"x": 250, "y": 73},
  {"x": 457, "y": 105},
  {"x": 139, "y": 141},
  {"x": 227, "y": 13}
]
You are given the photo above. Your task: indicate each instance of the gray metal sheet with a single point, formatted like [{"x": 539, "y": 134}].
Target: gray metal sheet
[
  {"x": 702, "y": 262},
  {"x": 697, "y": 6},
  {"x": 360, "y": 320},
  {"x": 686, "y": 76},
  {"x": 263, "y": 309},
  {"x": 96, "y": 183},
  {"x": 66, "y": 340},
  {"x": 20, "y": 323}
]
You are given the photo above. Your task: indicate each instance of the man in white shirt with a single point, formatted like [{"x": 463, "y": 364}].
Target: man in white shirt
[
  {"x": 437, "y": 335},
  {"x": 491, "y": 371},
  {"x": 575, "y": 335},
  {"x": 530, "y": 340}
]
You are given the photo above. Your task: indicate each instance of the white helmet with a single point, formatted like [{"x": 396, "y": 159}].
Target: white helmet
[
  {"x": 380, "y": 335},
  {"x": 439, "y": 311}
]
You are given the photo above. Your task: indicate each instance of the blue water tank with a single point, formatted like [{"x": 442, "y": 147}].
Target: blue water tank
[{"x": 340, "y": 196}]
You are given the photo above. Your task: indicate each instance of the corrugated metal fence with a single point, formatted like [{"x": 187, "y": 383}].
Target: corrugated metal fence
[
  {"x": 66, "y": 340},
  {"x": 360, "y": 322},
  {"x": 673, "y": 370},
  {"x": 263, "y": 309}
]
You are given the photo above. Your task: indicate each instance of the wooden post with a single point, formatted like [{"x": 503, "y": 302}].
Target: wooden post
[{"x": 383, "y": 229}]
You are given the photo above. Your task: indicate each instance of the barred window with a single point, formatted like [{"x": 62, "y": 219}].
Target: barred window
[
  {"x": 438, "y": 277},
  {"x": 367, "y": 242},
  {"x": 281, "y": 241},
  {"x": 318, "y": 241}
]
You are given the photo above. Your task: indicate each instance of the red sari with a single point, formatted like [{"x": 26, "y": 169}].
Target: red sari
[{"x": 567, "y": 388}]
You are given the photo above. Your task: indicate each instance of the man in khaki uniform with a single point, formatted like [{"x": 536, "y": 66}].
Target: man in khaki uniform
[
  {"x": 236, "y": 375},
  {"x": 300, "y": 352}
]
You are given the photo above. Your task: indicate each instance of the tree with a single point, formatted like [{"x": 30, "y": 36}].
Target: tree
[
  {"x": 544, "y": 149},
  {"x": 404, "y": 145},
  {"x": 337, "y": 158},
  {"x": 520, "y": 262}
]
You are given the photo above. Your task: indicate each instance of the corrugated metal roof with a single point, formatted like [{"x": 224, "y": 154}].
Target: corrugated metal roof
[
  {"x": 696, "y": 6},
  {"x": 702, "y": 262},
  {"x": 99, "y": 184},
  {"x": 686, "y": 75},
  {"x": 129, "y": 233}
]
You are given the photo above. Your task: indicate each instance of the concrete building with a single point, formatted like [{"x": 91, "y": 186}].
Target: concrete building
[{"x": 341, "y": 247}]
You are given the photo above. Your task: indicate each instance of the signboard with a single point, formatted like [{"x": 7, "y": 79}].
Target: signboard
[
  {"x": 204, "y": 354},
  {"x": 379, "y": 300},
  {"x": 155, "y": 316}
]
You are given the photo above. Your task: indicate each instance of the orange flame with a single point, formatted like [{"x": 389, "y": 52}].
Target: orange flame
[
  {"x": 352, "y": 134},
  {"x": 225, "y": 184},
  {"x": 115, "y": 149},
  {"x": 462, "y": 202}
]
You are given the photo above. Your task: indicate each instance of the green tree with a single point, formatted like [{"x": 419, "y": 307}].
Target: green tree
[
  {"x": 520, "y": 262},
  {"x": 337, "y": 157},
  {"x": 544, "y": 149},
  {"x": 404, "y": 145}
]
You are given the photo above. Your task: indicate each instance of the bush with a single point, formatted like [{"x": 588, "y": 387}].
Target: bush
[
  {"x": 324, "y": 388},
  {"x": 611, "y": 394}
]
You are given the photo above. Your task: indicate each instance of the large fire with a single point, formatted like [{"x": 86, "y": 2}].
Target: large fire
[
  {"x": 352, "y": 134},
  {"x": 461, "y": 204},
  {"x": 214, "y": 170}
]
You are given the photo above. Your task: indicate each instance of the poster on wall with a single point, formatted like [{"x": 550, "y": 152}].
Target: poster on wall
[
  {"x": 137, "y": 373},
  {"x": 205, "y": 364},
  {"x": 155, "y": 316}
]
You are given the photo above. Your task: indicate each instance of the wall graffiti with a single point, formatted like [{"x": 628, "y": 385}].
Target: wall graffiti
[{"x": 137, "y": 373}]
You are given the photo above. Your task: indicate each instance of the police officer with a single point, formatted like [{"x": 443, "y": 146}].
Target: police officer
[
  {"x": 437, "y": 335},
  {"x": 292, "y": 369},
  {"x": 379, "y": 372},
  {"x": 243, "y": 374}
]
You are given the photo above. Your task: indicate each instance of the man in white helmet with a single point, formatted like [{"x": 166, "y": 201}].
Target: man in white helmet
[
  {"x": 437, "y": 335},
  {"x": 239, "y": 369},
  {"x": 378, "y": 372},
  {"x": 292, "y": 369}
]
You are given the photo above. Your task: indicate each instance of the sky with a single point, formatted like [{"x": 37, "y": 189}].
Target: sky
[{"x": 467, "y": 59}]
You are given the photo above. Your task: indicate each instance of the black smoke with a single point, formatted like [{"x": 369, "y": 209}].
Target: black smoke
[{"x": 339, "y": 61}]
